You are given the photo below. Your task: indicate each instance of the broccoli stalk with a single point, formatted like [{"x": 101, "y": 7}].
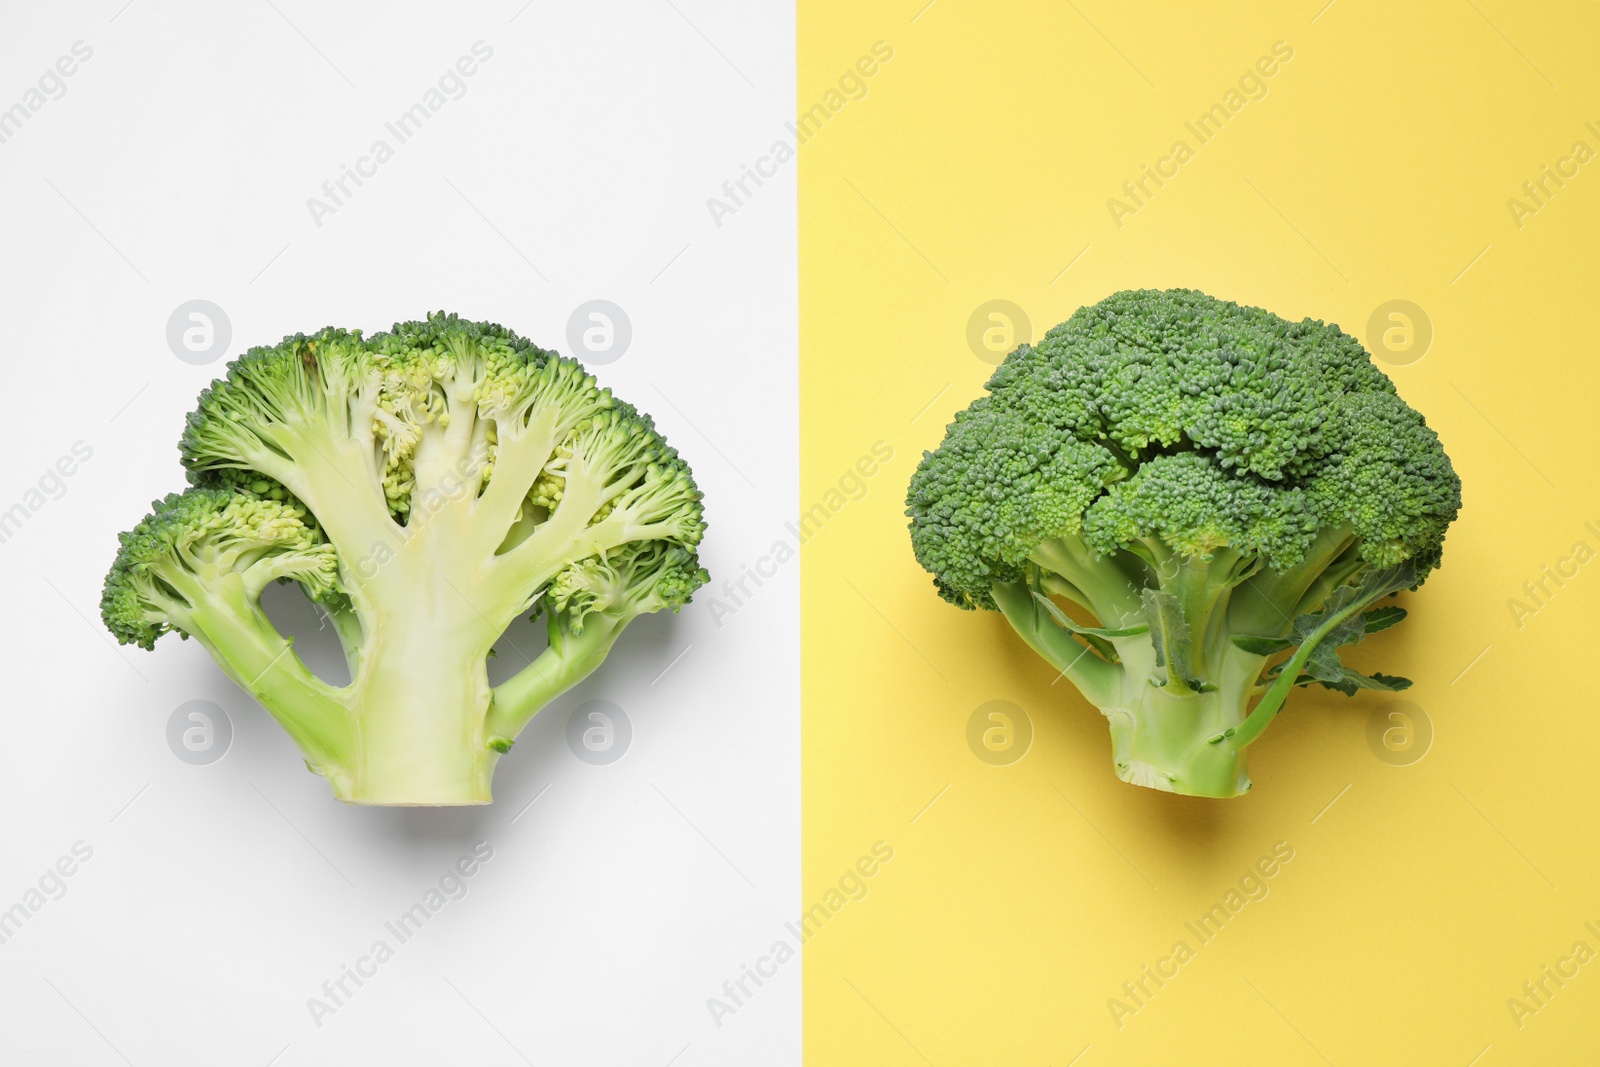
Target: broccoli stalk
[
  {"x": 427, "y": 487},
  {"x": 1226, "y": 497},
  {"x": 1178, "y": 705}
]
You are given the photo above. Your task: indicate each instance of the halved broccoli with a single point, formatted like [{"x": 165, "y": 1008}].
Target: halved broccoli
[
  {"x": 426, "y": 486},
  {"x": 1184, "y": 506}
]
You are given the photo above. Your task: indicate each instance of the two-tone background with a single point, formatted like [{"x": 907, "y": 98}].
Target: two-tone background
[
  {"x": 540, "y": 158},
  {"x": 801, "y": 239}
]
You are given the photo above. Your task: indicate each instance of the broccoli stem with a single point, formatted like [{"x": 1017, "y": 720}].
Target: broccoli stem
[
  {"x": 565, "y": 537},
  {"x": 336, "y": 476},
  {"x": 347, "y": 625},
  {"x": 1188, "y": 734},
  {"x": 569, "y": 660},
  {"x": 420, "y": 692},
  {"x": 228, "y": 622},
  {"x": 1162, "y": 735},
  {"x": 1178, "y": 697},
  {"x": 420, "y": 704},
  {"x": 1099, "y": 681},
  {"x": 1159, "y": 740},
  {"x": 1113, "y": 594},
  {"x": 1266, "y": 603},
  {"x": 1374, "y": 586},
  {"x": 522, "y": 453}
]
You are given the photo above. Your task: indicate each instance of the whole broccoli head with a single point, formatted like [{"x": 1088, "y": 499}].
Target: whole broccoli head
[
  {"x": 425, "y": 486},
  {"x": 1185, "y": 505}
]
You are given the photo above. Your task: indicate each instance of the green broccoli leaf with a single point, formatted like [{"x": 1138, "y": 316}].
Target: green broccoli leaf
[
  {"x": 1353, "y": 681},
  {"x": 1382, "y": 618},
  {"x": 1065, "y": 622},
  {"x": 1261, "y": 646},
  {"x": 1170, "y": 634}
]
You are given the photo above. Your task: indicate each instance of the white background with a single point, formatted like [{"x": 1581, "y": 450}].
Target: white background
[{"x": 219, "y": 898}]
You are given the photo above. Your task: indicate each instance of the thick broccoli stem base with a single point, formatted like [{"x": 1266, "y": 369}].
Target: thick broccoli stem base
[
  {"x": 428, "y": 726},
  {"x": 1173, "y": 738},
  {"x": 1161, "y": 739},
  {"x": 420, "y": 696},
  {"x": 1161, "y": 736},
  {"x": 1173, "y": 716},
  {"x": 420, "y": 737},
  {"x": 1177, "y": 690}
]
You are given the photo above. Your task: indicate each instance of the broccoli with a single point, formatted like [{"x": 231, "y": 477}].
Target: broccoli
[
  {"x": 1184, "y": 505},
  {"x": 425, "y": 487}
]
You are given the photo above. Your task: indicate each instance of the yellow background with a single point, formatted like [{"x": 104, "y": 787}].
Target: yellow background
[{"x": 1378, "y": 167}]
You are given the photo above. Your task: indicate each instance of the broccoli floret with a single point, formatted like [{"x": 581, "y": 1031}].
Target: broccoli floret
[
  {"x": 1226, "y": 496},
  {"x": 426, "y": 486}
]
